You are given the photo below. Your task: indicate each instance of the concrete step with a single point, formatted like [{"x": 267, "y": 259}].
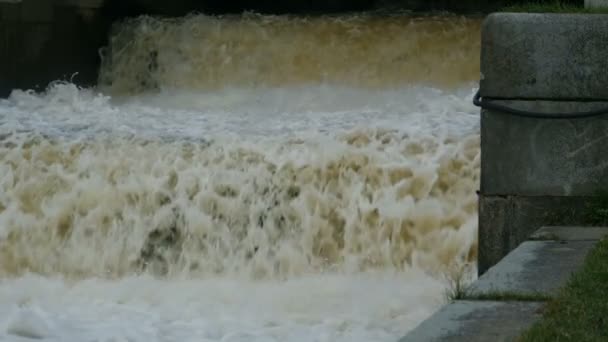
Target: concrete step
[
  {"x": 535, "y": 267},
  {"x": 477, "y": 321},
  {"x": 540, "y": 266}
]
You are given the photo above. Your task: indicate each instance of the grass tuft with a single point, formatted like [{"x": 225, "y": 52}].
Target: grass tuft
[{"x": 459, "y": 283}]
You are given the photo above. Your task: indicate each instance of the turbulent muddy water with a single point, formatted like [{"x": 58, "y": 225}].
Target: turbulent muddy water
[{"x": 247, "y": 178}]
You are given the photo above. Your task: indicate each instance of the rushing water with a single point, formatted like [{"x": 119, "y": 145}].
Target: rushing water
[{"x": 246, "y": 178}]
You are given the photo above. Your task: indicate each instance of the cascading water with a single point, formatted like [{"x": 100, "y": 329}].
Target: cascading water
[{"x": 249, "y": 178}]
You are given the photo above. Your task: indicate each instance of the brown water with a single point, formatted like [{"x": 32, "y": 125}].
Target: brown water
[
  {"x": 371, "y": 198},
  {"x": 210, "y": 53},
  {"x": 250, "y": 179}
]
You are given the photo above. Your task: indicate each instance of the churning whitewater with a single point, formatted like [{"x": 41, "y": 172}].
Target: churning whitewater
[{"x": 247, "y": 178}]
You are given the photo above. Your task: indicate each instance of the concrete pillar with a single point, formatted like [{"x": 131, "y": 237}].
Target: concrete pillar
[
  {"x": 539, "y": 171},
  {"x": 596, "y": 3}
]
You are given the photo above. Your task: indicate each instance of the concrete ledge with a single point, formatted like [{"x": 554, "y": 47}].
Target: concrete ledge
[
  {"x": 535, "y": 267},
  {"x": 544, "y": 56},
  {"x": 570, "y": 233},
  {"x": 476, "y": 321}
]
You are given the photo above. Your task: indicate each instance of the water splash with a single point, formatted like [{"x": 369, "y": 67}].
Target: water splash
[
  {"x": 349, "y": 199},
  {"x": 211, "y": 53},
  {"x": 224, "y": 186}
]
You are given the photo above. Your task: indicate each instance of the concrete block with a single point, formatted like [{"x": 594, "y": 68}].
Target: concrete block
[
  {"x": 477, "y": 321},
  {"x": 544, "y": 56},
  {"x": 540, "y": 157},
  {"x": 535, "y": 171},
  {"x": 570, "y": 233},
  {"x": 535, "y": 267},
  {"x": 507, "y": 221}
]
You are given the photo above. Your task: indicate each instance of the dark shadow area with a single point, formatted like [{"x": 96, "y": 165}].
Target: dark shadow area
[{"x": 55, "y": 43}]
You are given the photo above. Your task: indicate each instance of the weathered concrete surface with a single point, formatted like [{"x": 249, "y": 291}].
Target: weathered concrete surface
[
  {"x": 506, "y": 221},
  {"x": 570, "y": 233},
  {"x": 477, "y": 321},
  {"x": 544, "y": 56},
  {"x": 536, "y": 157},
  {"x": 536, "y": 172},
  {"x": 540, "y": 171},
  {"x": 535, "y": 267}
]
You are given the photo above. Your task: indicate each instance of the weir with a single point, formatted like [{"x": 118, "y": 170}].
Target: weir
[
  {"x": 168, "y": 83},
  {"x": 244, "y": 177}
]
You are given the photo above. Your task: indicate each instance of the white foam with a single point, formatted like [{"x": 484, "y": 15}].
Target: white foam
[
  {"x": 68, "y": 181},
  {"x": 330, "y": 307},
  {"x": 29, "y": 322},
  {"x": 68, "y": 111}
]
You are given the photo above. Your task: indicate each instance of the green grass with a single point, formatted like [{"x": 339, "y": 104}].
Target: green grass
[
  {"x": 580, "y": 311},
  {"x": 554, "y": 7}
]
